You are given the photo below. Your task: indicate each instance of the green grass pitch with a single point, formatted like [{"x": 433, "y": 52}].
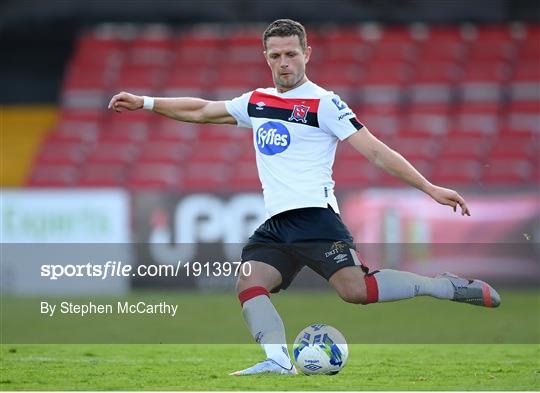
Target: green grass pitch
[
  {"x": 206, "y": 367},
  {"x": 507, "y": 358}
]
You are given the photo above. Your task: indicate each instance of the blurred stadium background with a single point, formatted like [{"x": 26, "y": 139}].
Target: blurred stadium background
[{"x": 452, "y": 85}]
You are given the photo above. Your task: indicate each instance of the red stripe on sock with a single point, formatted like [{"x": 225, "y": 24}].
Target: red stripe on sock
[
  {"x": 372, "y": 289},
  {"x": 250, "y": 293}
]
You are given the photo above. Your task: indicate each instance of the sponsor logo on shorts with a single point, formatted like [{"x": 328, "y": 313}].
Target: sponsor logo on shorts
[
  {"x": 336, "y": 248},
  {"x": 340, "y": 258},
  {"x": 272, "y": 138}
]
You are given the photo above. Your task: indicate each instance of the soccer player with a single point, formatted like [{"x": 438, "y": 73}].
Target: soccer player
[{"x": 296, "y": 127}]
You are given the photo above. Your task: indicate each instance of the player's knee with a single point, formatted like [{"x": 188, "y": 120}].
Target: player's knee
[
  {"x": 246, "y": 281},
  {"x": 353, "y": 294}
]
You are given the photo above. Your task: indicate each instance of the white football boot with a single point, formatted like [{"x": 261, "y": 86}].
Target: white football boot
[
  {"x": 474, "y": 292},
  {"x": 267, "y": 366}
]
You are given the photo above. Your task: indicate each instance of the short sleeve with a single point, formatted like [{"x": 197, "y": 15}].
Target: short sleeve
[
  {"x": 336, "y": 118},
  {"x": 238, "y": 108}
]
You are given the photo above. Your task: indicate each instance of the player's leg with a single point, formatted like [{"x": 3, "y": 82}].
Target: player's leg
[
  {"x": 389, "y": 285},
  {"x": 261, "y": 317}
]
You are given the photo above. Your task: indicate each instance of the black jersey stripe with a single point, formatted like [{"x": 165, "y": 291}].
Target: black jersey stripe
[{"x": 269, "y": 112}]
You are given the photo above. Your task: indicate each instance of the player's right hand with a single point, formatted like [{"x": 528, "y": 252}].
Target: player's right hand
[{"x": 125, "y": 100}]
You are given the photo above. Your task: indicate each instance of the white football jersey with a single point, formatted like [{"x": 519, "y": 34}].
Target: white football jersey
[{"x": 295, "y": 135}]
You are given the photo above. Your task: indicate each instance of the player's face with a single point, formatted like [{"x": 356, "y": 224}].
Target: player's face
[{"x": 287, "y": 61}]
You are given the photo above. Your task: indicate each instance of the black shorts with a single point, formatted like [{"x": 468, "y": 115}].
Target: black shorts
[{"x": 313, "y": 236}]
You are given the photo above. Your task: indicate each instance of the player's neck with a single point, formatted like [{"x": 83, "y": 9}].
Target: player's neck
[{"x": 300, "y": 83}]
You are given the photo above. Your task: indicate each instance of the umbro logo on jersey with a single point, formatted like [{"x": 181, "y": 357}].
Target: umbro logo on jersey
[
  {"x": 260, "y": 105},
  {"x": 272, "y": 138},
  {"x": 299, "y": 113}
]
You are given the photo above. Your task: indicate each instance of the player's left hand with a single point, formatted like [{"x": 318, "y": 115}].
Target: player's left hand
[{"x": 446, "y": 196}]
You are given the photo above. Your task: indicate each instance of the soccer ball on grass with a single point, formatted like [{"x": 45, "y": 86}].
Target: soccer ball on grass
[{"x": 320, "y": 349}]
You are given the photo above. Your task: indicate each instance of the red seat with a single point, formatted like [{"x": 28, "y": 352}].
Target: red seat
[
  {"x": 476, "y": 122},
  {"x": 462, "y": 147},
  {"x": 119, "y": 129},
  {"x": 113, "y": 153},
  {"x": 353, "y": 173},
  {"x": 494, "y": 33},
  {"x": 507, "y": 172},
  {"x": 69, "y": 153},
  {"x": 481, "y": 51},
  {"x": 380, "y": 125},
  {"x": 53, "y": 176},
  {"x": 223, "y": 133},
  {"x": 456, "y": 172},
  {"x": 521, "y": 122},
  {"x": 168, "y": 130},
  {"x": 428, "y": 124},
  {"x": 525, "y": 83},
  {"x": 415, "y": 148},
  {"x": 75, "y": 131},
  {"x": 483, "y": 81},
  {"x": 205, "y": 176},
  {"x": 102, "y": 175},
  {"x": 244, "y": 177},
  {"x": 164, "y": 152},
  {"x": 432, "y": 51},
  {"x": 439, "y": 35},
  {"x": 514, "y": 147},
  {"x": 215, "y": 152},
  {"x": 159, "y": 176}
]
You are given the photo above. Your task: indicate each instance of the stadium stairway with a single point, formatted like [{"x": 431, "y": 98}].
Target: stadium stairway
[{"x": 22, "y": 130}]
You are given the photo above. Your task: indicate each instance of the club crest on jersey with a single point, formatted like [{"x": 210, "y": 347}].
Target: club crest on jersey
[
  {"x": 272, "y": 138},
  {"x": 299, "y": 113}
]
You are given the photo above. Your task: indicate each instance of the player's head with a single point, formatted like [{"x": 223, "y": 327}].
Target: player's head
[{"x": 286, "y": 52}]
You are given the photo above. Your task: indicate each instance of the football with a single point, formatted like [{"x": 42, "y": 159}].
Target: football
[{"x": 320, "y": 349}]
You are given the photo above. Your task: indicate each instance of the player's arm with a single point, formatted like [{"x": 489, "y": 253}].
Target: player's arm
[
  {"x": 394, "y": 163},
  {"x": 187, "y": 109}
]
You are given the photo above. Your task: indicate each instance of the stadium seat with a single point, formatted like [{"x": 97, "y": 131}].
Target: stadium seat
[
  {"x": 456, "y": 172},
  {"x": 433, "y": 82},
  {"x": 214, "y": 152},
  {"x": 525, "y": 81},
  {"x": 470, "y": 121},
  {"x": 355, "y": 173},
  {"x": 415, "y": 147},
  {"x": 383, "y": 83},
  {"x": 102, "y": 175},
  {"x": 53, "y": 175},
  {"x": 164, "y": 152},
  {"x": 463, "y": 147},
  {"x": 511, "y": 146},
  {"x": 483, "y": 81},
  {"x": 68, "y": 153},
  {"x": 244, "y": 177},
  {"x": 168, "y": 130},
  {"x": 155, "y": 176},
  {"x": 508, "y": 172},
  {"x": 426, "y": 124},
  {"x": 113, "y": 153},
  {"x": 205, "y": 176}
]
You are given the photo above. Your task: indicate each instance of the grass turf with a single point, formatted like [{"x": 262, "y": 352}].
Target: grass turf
[
  {"x": 478, "y": 348},
  {"x": 206, "y": 367}
]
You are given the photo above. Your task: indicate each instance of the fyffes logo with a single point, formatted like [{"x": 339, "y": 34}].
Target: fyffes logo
[{"x": 273, "y": 138}]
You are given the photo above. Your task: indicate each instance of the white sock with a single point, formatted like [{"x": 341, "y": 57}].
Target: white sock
[
  {"x": 267, "y": 328},
  {"x": 395, "y": 285}
]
